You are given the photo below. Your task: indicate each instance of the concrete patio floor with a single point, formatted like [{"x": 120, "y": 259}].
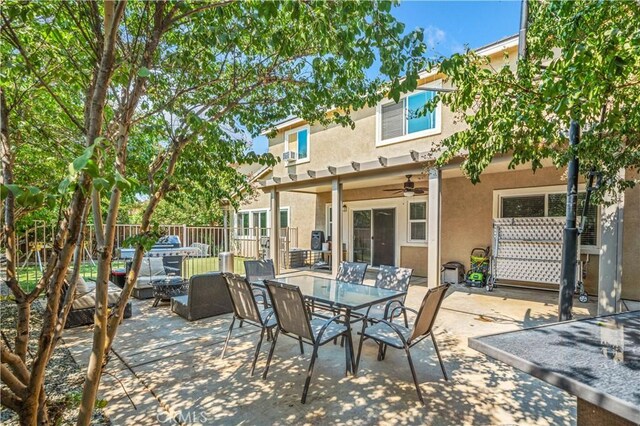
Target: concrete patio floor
[{"x": 171, "y": 369}]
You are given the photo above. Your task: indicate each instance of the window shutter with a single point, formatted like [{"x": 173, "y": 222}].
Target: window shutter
[{"x": 393, "y": 120}]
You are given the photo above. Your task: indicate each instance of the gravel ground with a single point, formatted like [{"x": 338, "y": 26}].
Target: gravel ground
[{"x": 63, "y": 382}]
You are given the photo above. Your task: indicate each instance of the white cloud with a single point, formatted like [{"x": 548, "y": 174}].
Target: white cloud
[{"x": 434, "y": 36}]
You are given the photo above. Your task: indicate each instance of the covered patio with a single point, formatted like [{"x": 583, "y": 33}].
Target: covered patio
[{"x": 165, "y": 370}]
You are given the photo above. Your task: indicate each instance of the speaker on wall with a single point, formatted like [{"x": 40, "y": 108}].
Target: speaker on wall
[{"x": 317, "y": 238}]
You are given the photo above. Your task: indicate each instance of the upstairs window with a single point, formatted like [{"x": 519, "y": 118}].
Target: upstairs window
[
  {"x": 297, "y": 140},
  {"x": 406, "y": 119}
]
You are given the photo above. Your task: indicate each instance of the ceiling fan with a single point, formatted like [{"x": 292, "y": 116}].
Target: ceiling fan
[{"x": 408, "y": 189}]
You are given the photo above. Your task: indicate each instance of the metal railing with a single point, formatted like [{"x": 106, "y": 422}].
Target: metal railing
[{"x": 35, "y": 245}]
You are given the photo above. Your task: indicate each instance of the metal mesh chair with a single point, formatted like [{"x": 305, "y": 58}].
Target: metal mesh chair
[
  {"x": 245, "y": 309},
  {"x": 386, "y": 333},
  {"x": 259, "y": 270},
  {"x": 391, "y": 278},
  {"x": 351, "y": 272},
  {"x": 295, "y": 320}
]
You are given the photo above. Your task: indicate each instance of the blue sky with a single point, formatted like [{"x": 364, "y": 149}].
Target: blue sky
[{"x": 450, "y": 25}]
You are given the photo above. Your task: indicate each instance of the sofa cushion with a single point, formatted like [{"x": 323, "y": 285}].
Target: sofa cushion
[
  {"x": 152, "y": 267},
  {"x": 88, "y": 299},
  {"x": 81, "y": 285}
]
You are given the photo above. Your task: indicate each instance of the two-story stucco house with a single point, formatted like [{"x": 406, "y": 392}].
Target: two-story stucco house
[{"x": 350, "y": 184}]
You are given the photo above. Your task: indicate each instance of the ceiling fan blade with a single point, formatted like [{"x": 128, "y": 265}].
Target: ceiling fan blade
[{"x": 419, "y": 190}]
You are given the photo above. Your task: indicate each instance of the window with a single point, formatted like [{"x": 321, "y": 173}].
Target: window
[
  {"x": 260, "y": 222},
  {"x": 329, "y": 221},
  {"x": 406, "y": 119},
  {"x": 297, "y": 141},
  {"x": 247, "y": 222},
  {"x": 242, "y": 223},
  {"x": 418, "y": 221},
  {"x": 550, "y": 204},
  {"x": 284, "y": 218}
]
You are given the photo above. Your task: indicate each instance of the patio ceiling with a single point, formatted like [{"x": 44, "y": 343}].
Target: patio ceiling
[{"x": 380, "y": 172}]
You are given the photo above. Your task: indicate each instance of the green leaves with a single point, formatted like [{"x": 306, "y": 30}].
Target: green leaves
[
  {"x": 582, "y": 64},
  {"x": 79, "y": 164},
  {"x": 144, "y": 72}
]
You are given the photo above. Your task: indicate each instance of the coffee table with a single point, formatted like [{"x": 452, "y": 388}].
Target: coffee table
[{"x": 164, "y": 290}]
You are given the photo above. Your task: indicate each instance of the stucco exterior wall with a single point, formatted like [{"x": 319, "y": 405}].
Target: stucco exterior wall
[{"x": 467, "y": 213}]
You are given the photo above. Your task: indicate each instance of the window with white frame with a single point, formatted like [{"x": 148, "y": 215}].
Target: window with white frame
[
  {"x": 417, "y": 221},
  {"x": 548, "y": 203},
  {"x": 242, "y": 224},
  {"x": 248, "y": 222},
  {"x": 284, "y": 218},
  {"x": 297, "y": 140},
  {"x": 408, "y": 118}
]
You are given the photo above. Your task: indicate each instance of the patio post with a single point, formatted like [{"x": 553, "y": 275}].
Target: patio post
[
  {"x": 610, "y": 262},
  {"x": 225, "y": 229},
  {"x": 274, "y": 237},
  {"x": 336, "y": 229},
  {"x": 433, "y": 231}
]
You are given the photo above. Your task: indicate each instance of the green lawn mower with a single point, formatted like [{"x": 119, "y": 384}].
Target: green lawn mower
[{"x": 478, "y": 274}]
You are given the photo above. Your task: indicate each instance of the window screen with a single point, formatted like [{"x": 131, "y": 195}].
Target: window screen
[
  {"x": 523, "y": 206},
  {"x": 393, "y": 120},
  {"x": 558, "y": 206}
]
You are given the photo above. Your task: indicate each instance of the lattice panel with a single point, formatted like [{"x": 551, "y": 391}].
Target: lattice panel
[
  {"x": 539, "y": 251},
  {"x": 537, "y": 271},
  {"x": 530, "y": 229},
  {"x": 528, "y": 249}
]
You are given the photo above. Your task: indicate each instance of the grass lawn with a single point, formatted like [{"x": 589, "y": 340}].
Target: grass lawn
[{"x": 29, "y": 275}]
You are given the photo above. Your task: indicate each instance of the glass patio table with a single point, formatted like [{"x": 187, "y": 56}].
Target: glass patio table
[{"x": 345, "y": 296}]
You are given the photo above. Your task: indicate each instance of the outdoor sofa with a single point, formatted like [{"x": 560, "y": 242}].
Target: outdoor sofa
[
  {"x": 152, "y": 269},
  {"x": 207, "y": 296},
  {"x": 84, "y": 304}
]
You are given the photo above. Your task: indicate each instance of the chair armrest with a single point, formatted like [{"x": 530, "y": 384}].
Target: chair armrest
[
  {"x": 396, "y": 329},
  {"x": 387, "y": 307},
  {"x": 402, "y": 308},
  {"x": 260, "y": 293},
  {"x": 324, "y": 327}
]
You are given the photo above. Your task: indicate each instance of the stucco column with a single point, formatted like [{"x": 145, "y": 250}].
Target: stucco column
[
  {"x": 610, "y": 263},
  {"x": 433, "y": 228},
  {"x": 336, "y": 228},
  {"x": 274, "y": 237}
]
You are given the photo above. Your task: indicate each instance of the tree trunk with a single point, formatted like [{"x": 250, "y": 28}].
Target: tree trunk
[
  {"x": 9, "y": 233},
  {"x": 113, "y": 13}
]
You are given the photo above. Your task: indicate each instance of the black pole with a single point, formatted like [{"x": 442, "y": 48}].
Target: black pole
[
  {"x": 570, "y": 237},
  {"x": 522, "y": 34}
]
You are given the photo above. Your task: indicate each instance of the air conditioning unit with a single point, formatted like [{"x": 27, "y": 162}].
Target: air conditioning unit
[{"x": 289, "y": 156}]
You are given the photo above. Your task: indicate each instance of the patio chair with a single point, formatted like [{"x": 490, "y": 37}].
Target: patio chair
[
  {"x": 295, "y": 320},
  {"x": 207, "y": 297},
  {"x": 386, "y": 333},
  {"x": 259, "y": 270},
  {"x": 245, "y": 309},
  {"x": 351, "y": 272},
  {"x": 391, "y": 278}
]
